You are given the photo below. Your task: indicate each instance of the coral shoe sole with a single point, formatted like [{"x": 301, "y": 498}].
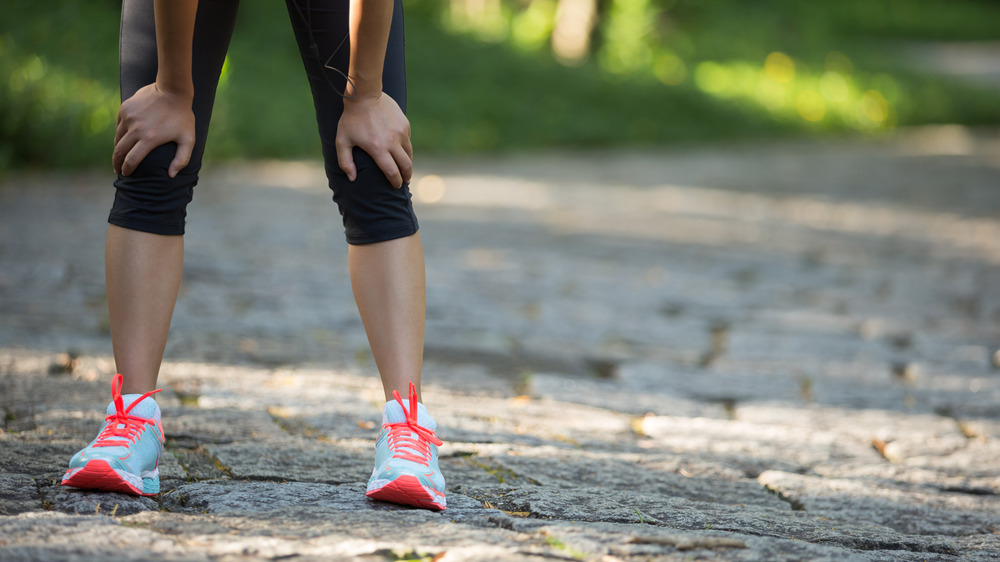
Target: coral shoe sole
[
  {"x": 98, "y": 475},
  {"x": 407, "y": 490}
]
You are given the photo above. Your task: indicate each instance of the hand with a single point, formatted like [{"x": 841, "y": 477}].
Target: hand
[
  {"x": 150, "y": 118},
  {"x": 378, "y": 126}
]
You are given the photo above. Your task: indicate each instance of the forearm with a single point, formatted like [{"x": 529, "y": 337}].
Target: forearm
[
  {"x": 174, "y": 36},
  {"x": 370, "y": 23}
]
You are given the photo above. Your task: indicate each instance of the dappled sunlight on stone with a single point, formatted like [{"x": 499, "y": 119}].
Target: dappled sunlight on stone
[{"x": 691, "y": 214}]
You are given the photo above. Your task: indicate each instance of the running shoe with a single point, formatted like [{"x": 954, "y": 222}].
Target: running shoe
[
  {"x": 126, "y": 453},
  {"x": 406, "y": 457}
]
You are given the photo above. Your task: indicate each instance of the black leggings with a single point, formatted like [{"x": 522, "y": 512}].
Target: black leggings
[{"x": 149, "y": 200}]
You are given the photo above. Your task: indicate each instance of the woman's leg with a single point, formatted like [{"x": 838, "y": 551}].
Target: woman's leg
[
  {"x": 145, "y": 246},
  {"x": 388, "y": 282},
  {"x": 144, "y": 256},
  {"x": 143, "y": 273},
  {"x": 386, "y": 258}
]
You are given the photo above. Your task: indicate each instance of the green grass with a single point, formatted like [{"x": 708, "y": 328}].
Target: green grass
[
  {"x": 59, "y": 65},
  {"x": 58, "y": 92}
]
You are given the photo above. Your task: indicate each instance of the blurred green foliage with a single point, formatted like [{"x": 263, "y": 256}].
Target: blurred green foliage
[{"x": 483, "y": 75}]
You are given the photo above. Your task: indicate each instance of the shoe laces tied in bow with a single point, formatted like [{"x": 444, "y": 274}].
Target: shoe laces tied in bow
[
  {"x": 408, "y": 439},
  {"x": 121, "y": 425}
]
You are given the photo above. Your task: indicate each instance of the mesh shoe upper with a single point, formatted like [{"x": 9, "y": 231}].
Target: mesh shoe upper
[
  {"x": 406, "y": 455},
  {"x": 129, "y": 443}
]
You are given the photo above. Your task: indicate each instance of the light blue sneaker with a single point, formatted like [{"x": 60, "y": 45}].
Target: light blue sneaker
[
  {"x": 406, "y": 457},
  {"x": 125, "y": 456}
]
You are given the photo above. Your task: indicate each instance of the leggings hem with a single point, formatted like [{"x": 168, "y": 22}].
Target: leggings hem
[
  {"x": 164, "y": 229},
  {"x": 382, "y": 235}
]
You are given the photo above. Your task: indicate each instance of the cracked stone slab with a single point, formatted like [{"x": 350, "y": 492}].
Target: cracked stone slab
[
  {"x": 975, "y": 459},
  {"x": 321, "y": 517},
  {"x": 71, "y": 423},
  {"x": 27, "y": 389},
  {"x": 466, "y": 471},
  {"x": 315, "y": 511},
  {"x": 528, "y": 421},
  {"x": 195, "y": 426},
  {"x": 43, "y": 460},
  {"x": 561, "y": 469},
  {"x": 916, "y": 477},
  {"x": 616, "y": 395},
  {"x": 49, "y": 460},
  {"x": 18, "y": 493},
  {"x": 979, "y": 547},
  {"x": 751, "y": 445},
  {"x": 86, "y": 502},
  {"x": 695, "y": 383},
  {"x": 295, "y": 459},
  {"x": 700, "y": 467},
  {"x": 901, "y": 508},
  {"x": 466, "y": 378},
  {"x": 58, "y": 536},
  {"x": 325, "y": 534},
  {"x": 197, "y": 463},
  {"x": 637, "y": 541},
  {"x": 627, "y": 507},
  {"x": 255, "y": 497},
  {"x": 905, "y": 434}
]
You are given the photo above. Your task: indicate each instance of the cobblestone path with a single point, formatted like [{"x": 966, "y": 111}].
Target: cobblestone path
[{"x": 776, "y": 352}]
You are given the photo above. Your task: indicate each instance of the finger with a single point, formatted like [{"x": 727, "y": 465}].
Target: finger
[
  {"x": 122, "y": 148},
  {"x": 408, "y": 147},
  {"x": 345, "y": 158},
  {"x": 135, "y": 157},
  {"x": 120, "y": 129},
  {"x": 387, "y": 164},
  {"x": 181, "y": 157},
  {"x": 404, "y": 163}
]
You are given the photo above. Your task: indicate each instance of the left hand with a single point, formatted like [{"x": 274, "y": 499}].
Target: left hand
[
  {"x": 152, "y": 117},
  {"x": 378, "y": 126}
]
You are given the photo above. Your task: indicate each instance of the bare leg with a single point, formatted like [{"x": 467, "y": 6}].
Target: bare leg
[
  {"x": 389, "y": 288},
  {"x": 143, "y": 274}
]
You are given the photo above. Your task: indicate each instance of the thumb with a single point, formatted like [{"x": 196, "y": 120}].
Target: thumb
[{"x": 181, "y": 157}]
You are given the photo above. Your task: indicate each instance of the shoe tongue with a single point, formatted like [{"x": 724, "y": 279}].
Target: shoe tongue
[
  {"x": 147, "y": 409},
  {"x": 394, "y": 413}
]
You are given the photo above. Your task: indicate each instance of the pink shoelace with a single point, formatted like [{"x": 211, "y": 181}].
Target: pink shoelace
[
  {"x": 121, "y": 424},
  {"x": 402, "y": 441}
]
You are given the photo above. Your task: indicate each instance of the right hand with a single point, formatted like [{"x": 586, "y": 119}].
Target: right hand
[
  {"x": 377, "y": 125},
  {"x": 151, "y": 118}
]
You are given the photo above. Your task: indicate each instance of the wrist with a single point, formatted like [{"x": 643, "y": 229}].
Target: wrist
[
  {"x": 358, "y": 100},
  {"x": 175, "y": 86},
  {"x": 361, "y": 88}
]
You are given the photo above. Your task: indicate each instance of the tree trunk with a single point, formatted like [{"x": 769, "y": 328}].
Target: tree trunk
[{"x": 575, "y": 20}]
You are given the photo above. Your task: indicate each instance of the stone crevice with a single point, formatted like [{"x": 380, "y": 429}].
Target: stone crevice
[{"x": 795, "y": 504}]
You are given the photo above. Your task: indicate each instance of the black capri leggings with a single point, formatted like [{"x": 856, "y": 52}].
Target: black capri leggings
[{"x": 149, "y": 200}]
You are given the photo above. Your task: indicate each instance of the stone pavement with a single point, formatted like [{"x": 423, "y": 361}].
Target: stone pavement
[{"x": 777, "y": 352}]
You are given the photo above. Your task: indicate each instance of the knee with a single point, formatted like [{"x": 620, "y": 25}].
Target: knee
[
  {"x": 372, "y": 209},
  {"x": 151, "y": 201}
]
